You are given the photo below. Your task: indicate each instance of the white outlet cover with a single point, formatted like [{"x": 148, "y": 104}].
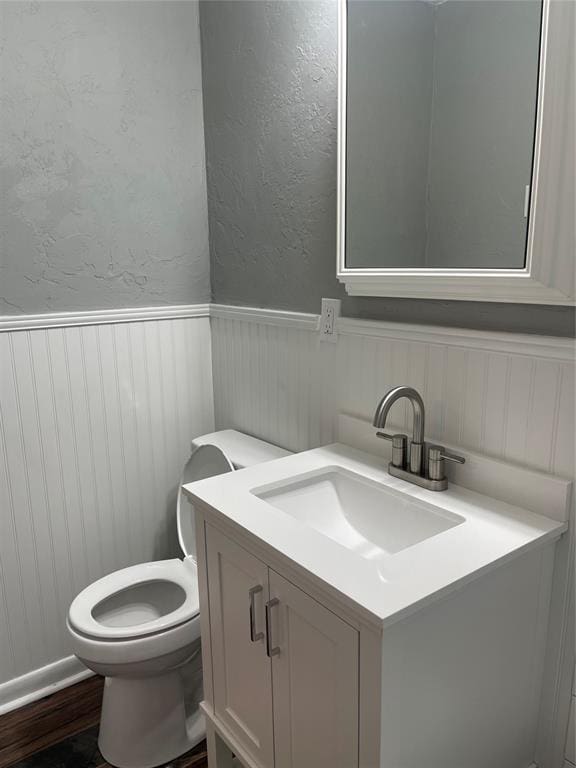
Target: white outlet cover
[{"x": 329, "y": 307}]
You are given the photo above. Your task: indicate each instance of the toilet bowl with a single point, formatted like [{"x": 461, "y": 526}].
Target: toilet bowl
[{"x": 139, "y": 627}]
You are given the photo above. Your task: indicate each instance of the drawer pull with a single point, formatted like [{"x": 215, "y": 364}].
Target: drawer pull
[
  {"x": 270, "y": 649},
  {"x": 254, "y": 636}
]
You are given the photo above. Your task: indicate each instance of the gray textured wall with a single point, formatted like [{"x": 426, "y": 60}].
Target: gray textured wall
[
  {"x": 270, "y": 149},
  {"x": 103, "y": 194},
  {"x": 269, "y": 83}
]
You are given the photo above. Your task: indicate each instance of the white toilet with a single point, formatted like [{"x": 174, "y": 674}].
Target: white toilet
[{"x": 140, "y": 628}]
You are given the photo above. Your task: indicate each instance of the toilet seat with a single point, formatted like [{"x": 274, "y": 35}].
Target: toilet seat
[{"x": 121, "y": 606}]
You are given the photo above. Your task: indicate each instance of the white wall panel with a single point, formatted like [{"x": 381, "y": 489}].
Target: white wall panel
[
  {"x": 279, "y": 382},
  {"x": 95, "y": 425}
]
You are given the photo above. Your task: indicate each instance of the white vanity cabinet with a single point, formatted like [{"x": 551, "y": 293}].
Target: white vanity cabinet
[
  {"x": 316, "y": 655},
  {"x": 313, "y": 684},
  {"x": 285, "y": 668}
]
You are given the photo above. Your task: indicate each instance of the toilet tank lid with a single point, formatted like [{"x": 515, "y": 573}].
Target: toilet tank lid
[{"x": 240, "y": 449}]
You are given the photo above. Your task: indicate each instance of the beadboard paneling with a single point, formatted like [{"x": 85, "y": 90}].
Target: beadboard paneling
[
  {"x": 96, "y": 423},
  {"x": 279, "y": 382}
]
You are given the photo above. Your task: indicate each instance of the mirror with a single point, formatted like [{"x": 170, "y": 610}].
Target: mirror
[
  {"x": 440, "y": 131},
  {"x": 440, "y": 135}
]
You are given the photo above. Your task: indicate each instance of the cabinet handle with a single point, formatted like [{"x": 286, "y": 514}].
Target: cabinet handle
[
  {"x": 254, "y": 636},
  {"x": 270, "y": 650}
]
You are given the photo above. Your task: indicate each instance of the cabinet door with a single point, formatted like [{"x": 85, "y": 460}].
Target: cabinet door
[
  {"x": 315, "y": 678},
  {"x": 241, "y": 669}
]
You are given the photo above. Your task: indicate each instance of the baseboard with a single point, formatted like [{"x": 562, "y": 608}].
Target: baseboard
[{"x": 41, "y": 682}]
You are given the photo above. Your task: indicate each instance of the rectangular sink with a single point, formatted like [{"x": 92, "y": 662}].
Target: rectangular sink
[{"x": 363, "y": 515}]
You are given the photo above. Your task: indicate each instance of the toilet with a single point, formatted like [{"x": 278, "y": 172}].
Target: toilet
[{"x": 139, "y": 627}]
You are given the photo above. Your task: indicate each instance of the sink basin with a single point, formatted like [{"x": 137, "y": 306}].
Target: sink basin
[{"x": 365, "y": 516}]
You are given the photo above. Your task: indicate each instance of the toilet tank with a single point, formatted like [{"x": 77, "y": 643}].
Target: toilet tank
[{"x": 213, "y": 454}]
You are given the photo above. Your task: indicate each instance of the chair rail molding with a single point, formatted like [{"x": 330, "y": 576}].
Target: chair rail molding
[
  {"x": 549, "y": 274},
  {"x": 530, "y": 345},
  {"x": 301, "y": 320},
  {"x": 101, "y": 317}
]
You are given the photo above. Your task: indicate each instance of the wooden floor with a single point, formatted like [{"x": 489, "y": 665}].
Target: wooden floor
[{"x": 61, "y": 731}]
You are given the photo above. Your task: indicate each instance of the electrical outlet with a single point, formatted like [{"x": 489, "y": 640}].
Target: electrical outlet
[{"x": 328, "y": 319}]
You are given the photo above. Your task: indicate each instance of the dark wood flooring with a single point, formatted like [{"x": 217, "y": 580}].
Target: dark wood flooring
[{"x": 61, "y": 731}]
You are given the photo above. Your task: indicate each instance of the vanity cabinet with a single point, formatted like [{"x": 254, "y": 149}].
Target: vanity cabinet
[
  {"x": 298, "y": 674},
  {"x": 285, "y": 668}
]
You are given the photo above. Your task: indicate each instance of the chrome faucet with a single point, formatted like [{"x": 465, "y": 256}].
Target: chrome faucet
[
  {"x": 418, "y": 462},
  {"x": 416, "y": 444}
]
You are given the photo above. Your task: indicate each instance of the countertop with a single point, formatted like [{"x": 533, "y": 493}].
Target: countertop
[{"x": 492, "y": 533}]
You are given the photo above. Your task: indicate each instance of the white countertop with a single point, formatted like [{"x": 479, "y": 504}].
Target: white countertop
[{"x": 492, "y": 533}]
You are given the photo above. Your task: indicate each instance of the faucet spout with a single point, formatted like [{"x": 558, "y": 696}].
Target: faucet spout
[
  {"x": 417, "y": 408},
  {"x": 418, "y": 423}
]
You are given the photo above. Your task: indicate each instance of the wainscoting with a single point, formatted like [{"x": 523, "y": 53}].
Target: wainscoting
[
  {"x": 98, "y": 409},
  {"x": 509, "y": 396},
  {"x": 97, "y": 414}
]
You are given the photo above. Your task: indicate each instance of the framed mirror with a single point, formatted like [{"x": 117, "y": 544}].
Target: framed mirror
[{"x": 456, "y": 156}]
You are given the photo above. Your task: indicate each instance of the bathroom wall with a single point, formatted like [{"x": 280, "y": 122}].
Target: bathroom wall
[
  {"x": 269, "y": 84},
  {"x": 510, "y": 397},
  {"x": 269, "y": 81},
  {"x": 96, "y": 423},
  {"x": 103, "y": 193},
  {"x": 102, "y": 207}
]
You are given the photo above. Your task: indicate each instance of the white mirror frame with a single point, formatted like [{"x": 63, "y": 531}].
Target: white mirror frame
[{"x": 549, "y": 275}]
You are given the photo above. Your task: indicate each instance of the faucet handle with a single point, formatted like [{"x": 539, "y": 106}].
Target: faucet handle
[
  {"x": 453, "y": 457},
  {"x": 436, "y": 456},
  {"x": 399, "y": 443}
]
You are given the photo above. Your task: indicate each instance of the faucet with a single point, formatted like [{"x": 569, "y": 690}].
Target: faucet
[
  {"x": 420, "y": 462},
  {"x": 416, "y": 444}
]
